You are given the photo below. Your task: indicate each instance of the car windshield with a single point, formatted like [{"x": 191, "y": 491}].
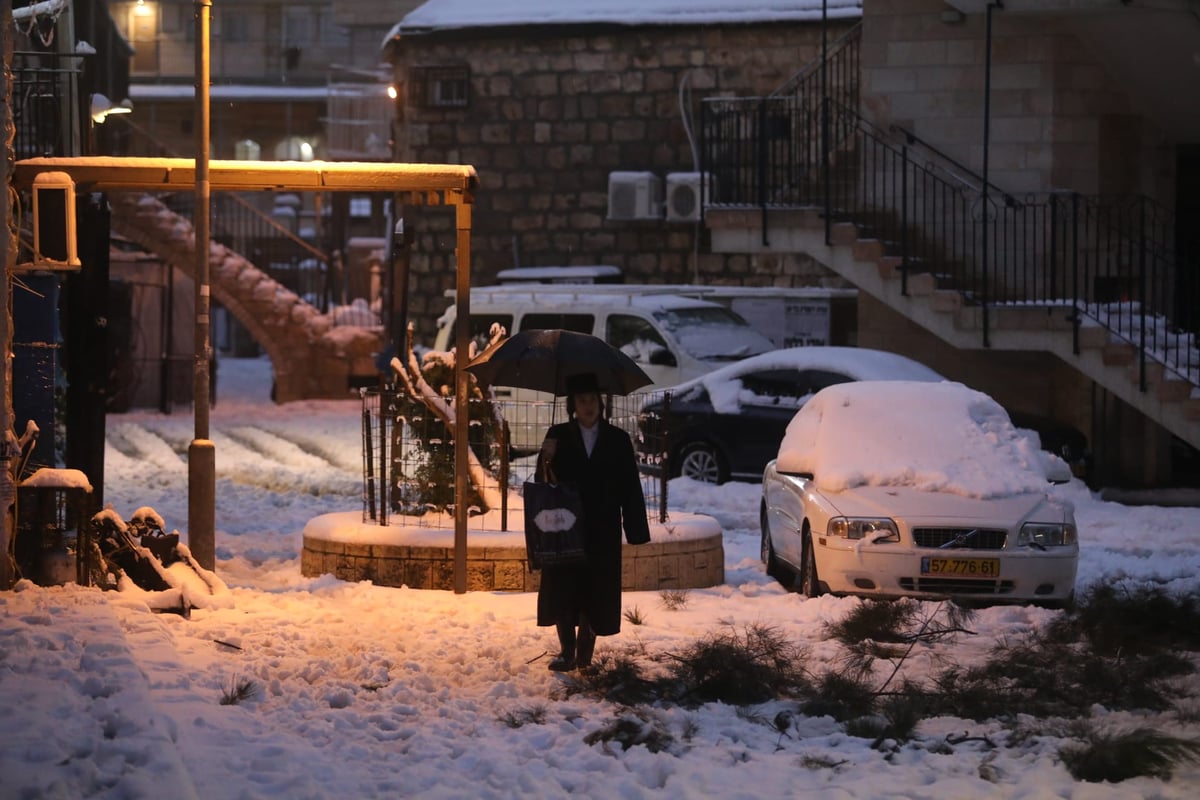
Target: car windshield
[
  {"x": 937, "y": 437},
  {"x": 713, "y": 333}
]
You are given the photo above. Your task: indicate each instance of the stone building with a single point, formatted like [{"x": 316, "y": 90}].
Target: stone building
[
  {"x": 1060, "y": 276},
  {"x": 560, "y": 113}
]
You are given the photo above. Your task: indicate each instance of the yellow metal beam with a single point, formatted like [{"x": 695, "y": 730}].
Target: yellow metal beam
[{"x": 110, "y": 173}]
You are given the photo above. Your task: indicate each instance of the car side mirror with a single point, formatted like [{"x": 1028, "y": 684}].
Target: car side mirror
[
  {"x": 1057, "y": 470},
  {"x": 662, "y": 357}
]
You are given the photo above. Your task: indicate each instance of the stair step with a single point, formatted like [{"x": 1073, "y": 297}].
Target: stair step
[
  {"x": 890, "y": 267},
  {"x": 947, "y": 300},
  {"x": 844, "y": 233},
  {"x": 922, "y": 284},
  {"x": 1174, "y": 390},
  {"x": 868, "y": 250},
  {"x": 1117, "y": 354},
  {"x": 1092, "y": 336}
]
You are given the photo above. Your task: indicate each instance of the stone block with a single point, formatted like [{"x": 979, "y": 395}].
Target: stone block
[
  {"x": 510, "y": 576},
  {"x": 389, "y": 572},
  {"x": 481, "y": 576},
  {"x": 441, "y": 575},
  {"x": 418, "y": 574}
]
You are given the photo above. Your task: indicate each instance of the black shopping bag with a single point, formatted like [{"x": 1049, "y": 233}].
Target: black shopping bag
[{"x": 553, "y": 525}]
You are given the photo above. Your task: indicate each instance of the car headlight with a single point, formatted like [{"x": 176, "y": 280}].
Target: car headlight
[
  {"x": 877, "y": 529},
  {"x": 1047, "y": 534}
]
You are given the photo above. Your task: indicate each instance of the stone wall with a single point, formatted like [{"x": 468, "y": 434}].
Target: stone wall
[
  {"x": 685, "y": 563},
  {"x": 1059, "y": 120},
  {"x": 551, "y": 114}
]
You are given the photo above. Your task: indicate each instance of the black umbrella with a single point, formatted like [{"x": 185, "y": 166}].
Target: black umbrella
[{"x": 543, "y": 360}]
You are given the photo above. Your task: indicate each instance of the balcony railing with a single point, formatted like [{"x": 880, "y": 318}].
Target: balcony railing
[{"x": 46, "y": 113}]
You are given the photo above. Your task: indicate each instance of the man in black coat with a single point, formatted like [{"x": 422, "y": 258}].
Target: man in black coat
[{"x": 596, "y": 457}]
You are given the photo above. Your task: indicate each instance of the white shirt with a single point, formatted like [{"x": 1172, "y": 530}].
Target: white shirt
[{"x": 589, "y": 436}]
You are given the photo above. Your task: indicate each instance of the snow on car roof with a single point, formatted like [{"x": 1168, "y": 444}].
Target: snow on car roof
[
  {"x": 557, "y": 295},
  {"x": 859, "y": 363},
  {"x": 942, "y": 437}
]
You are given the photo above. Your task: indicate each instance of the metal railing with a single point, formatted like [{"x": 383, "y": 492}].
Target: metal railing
[
  {"x": 238, "y": 222},
  {"x": 408, "y": 459},
  {"x": 266, "y": 243},
  {"x": 1120, "y": 263},
  {"x": 46, "y": 116}
]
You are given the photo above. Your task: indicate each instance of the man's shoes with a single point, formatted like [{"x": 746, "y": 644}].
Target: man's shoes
[{"x": 562, "y": 664}]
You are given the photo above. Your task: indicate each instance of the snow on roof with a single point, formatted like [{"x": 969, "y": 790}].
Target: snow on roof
[
  {"x": 459, "y": 14},
  {"x": 224, "y": 91}
]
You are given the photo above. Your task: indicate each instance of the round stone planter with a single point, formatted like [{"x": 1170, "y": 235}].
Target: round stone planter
[{"x": 685, "y": 553}]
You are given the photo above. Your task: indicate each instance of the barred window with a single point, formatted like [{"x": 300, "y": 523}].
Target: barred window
[{"x": 441, "y": 87}]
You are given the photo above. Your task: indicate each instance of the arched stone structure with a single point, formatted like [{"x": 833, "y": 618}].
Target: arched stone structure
[{"x": 310, "y": 357}]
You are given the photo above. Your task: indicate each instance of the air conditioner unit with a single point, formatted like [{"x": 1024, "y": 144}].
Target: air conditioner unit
[
  {"x": 634, "y": 195},
  {"x": 685, "y": 195}
]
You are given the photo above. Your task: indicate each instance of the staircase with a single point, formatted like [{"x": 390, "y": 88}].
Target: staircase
[{"x": 1103, "y": 283}]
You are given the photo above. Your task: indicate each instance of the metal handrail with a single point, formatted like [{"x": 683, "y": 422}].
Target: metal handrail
[
  {"x": 972, "y": 179},
  {"x": 1114, "y": 261}
]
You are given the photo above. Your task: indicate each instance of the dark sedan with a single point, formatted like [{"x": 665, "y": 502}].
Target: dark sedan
[{"x": 728, "y": 423}]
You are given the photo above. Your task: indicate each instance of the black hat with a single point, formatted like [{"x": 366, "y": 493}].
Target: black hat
[{"x": 581, "y": 384}]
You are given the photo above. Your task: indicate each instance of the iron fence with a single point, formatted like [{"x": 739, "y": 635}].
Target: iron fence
[
  {"x": 408, "y": 457},
  {"x": 46, "y": 115}
]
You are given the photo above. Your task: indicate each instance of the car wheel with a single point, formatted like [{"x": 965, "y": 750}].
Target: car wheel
[
  {"x": 810, "y": 582},
  {"x": 701, "y": 461},
  {"x": 775, "y": 568}
]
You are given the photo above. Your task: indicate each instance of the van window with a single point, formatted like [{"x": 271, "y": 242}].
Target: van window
[
  {"x": 713, "y": 333},
  {"x": 633, "y": 336},
  {"x": 580, "y": 323}
]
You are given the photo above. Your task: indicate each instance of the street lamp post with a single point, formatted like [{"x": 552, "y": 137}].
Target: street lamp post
[{"x": 202, "y": 459}]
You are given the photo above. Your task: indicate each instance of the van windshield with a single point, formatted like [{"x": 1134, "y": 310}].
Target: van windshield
[{"x": 713, "y": 333}]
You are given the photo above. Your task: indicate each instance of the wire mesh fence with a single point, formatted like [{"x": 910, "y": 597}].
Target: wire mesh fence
[{"x": 409, "y": 459}]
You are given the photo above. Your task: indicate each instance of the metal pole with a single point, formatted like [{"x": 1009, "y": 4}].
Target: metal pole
[
  {"x": 825, "y": 172},
  {"x": 202, "y": 459},
  {"x": 8, "y": 250},
  {"x": 462, "y": 338},
  {"x": 987, "y": 129}
]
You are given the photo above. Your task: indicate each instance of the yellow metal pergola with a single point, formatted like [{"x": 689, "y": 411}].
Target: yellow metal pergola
[{"x": 425, "y": 184}]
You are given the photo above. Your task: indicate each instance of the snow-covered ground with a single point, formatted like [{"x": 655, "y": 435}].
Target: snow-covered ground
[{"x": 368, "y": 691}]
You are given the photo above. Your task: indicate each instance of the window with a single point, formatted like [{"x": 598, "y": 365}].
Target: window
[
  {"x": 580, "y": 323},
  {"x": 235, "y": 27},
  {"x": 440, "y": 87},
  {"x": 298, "y": 27},
  {"x": 635, "y": 337},
  {"x": 329, "y": 33}
]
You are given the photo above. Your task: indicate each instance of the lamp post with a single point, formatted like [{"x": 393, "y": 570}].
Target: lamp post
[
  {"x": 202, "y": 459},
  {"x": 8, "y": 489}
]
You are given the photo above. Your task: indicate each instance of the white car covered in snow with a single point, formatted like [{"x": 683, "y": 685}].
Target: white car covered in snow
[{"x": 898, "y": 488}]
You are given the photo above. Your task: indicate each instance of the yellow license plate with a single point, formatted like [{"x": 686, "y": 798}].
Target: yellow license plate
[{"x": 961, "y": 567}]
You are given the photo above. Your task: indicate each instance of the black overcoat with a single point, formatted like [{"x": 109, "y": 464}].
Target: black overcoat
[{"x": 611, "y": 494}]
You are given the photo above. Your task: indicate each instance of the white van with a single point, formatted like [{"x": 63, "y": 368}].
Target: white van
[{"x": 671, "y": 337}]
